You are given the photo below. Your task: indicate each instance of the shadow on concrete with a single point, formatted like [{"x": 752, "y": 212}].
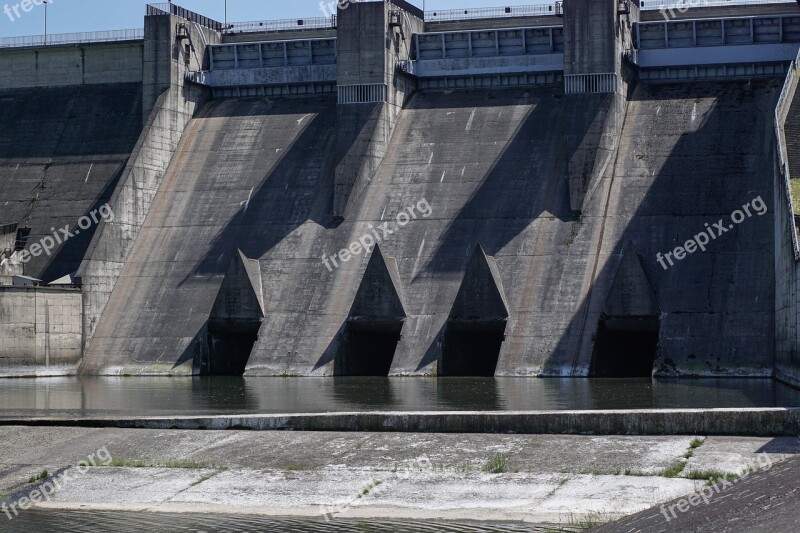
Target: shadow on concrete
[
  {"x": 289, "y": 195},
  {"x": 520, "y": 186},
  {"x": 667, "y": 195}
]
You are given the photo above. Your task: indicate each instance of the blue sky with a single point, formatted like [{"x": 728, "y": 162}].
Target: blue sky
[{"x": 65, "y": 16}]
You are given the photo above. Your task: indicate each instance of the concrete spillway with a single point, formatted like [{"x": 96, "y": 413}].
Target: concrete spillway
[
  {"x": 691, "y": 155},
  {"x": 255, "y": 175},
  {"x": 247, "y": 174},
  {"x": 62, "y": 151}
]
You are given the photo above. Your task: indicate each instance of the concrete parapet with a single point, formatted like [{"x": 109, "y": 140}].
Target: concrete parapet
[
  {"x": 764, "y": 422},
  {"x": 84, "y": 64}
]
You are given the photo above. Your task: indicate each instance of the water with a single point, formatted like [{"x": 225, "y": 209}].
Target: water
[
  {"x": 144, "y": 396},
  {"x": 102, "y": 522}
]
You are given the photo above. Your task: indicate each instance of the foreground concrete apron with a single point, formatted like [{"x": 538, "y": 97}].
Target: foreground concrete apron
[
  {"x": 256, "y": 175},
  {"x": 371, "y": 475}
]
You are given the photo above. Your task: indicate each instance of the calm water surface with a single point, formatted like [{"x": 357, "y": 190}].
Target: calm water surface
[
  {"x": 143, "y": 396},
  {"x": 102, "y": 522}
]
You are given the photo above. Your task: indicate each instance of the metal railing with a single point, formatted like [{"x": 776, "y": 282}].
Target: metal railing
[
  {"x": 168, "y": 8},
  {"x": 781, "y": 113},
  {"x": 491, "y": 12},
  {"x": 72, "y": 38},
  {"x": 556, "y": 8},
  {"x": 317, "y": 23},
  {"x": 684, "y": 5},
  {"x": 602, "y": 83},
  {"x": 368, "y": 93}
]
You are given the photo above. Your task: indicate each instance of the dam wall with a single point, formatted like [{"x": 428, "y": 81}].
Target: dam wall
[
  {"x": 491, "y": 175},
  {"x": 472, "y": 200}
]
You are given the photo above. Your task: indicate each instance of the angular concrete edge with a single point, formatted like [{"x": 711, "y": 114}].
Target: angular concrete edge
[
  {"x": 380, "y": 294},
  {"x": 767, "y": 422}
]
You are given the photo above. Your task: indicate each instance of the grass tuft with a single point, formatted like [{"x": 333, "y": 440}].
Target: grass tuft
[
  {"x": 795, "y": 185},
  {"x": 496, "y": 465},
  {"x": 40, "y": 477},
  {"x": 696, "y": 443},
  {"x": 711, "y": 476},
  {"x": 674, "y": 470},
  {"x": 171, "y": 463}
]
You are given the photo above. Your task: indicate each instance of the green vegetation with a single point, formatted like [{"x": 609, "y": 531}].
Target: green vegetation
[
  {"x": 40, "y": 477},
  {"x": 497, "y": 465},
  {"x": 795, "y": 185},
  {"x": 581, "y": 523},
  {"x": 711, "y": 476},
  {"x": 696, "y": 443},
  {"x": 674, "y": 470},
  {"x": 369, "y": 487},
  {"x": 172, "y": 463},
  {"x": 297, "y": 468}
]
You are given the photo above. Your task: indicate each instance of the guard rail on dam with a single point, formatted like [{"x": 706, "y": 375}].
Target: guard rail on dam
[
  {"x": 525, "y": 217},
  {"x": 114, "y": 36},
  {"x": 270, "y": 68},
  {"x": 665, "y": 50}
]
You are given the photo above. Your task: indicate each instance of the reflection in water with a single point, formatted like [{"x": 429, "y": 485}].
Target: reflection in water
[
  {"x": 365, "y": 393},
  {"x": 141, "y": 396},
  {"x": 469, "y": 394}
]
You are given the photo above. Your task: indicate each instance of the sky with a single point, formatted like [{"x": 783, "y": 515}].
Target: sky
[{"x": 67, "y": 16}]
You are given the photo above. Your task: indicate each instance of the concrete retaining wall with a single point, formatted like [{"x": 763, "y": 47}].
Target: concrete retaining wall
[
  {"x": 40, "y": 331},
  {"x": 770, "y": 422},
  {"x": 54, "y": 66}
]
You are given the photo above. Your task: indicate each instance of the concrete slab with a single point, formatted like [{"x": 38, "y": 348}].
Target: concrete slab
[
  {"x": 734, "y": 455},
  {"x": 542, "y": 478}
]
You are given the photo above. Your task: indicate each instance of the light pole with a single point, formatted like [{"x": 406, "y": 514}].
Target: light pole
[
  {"x": 46, "y": 3},
  {"x": 226, "y": 14}
]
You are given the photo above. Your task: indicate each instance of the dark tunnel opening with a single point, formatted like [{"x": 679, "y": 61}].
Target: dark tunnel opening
[
  {"x": 229, "y": 348},
  {"x": 367, "y": 348},
  {"x": 471, "y": 348},
  {"x": 625, "y": 348}
]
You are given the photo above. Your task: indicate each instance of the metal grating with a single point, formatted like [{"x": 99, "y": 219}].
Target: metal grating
[
  {"x": 368, "y": 93},
  {"x": 590, "y": 83}
]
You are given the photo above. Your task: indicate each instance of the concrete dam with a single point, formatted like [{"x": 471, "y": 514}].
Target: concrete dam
[{"x": 573, "y": 189}]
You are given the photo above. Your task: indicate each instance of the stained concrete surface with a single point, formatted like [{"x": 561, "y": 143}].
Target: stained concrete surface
[
  {"x": 62, "y": 151},
  {"x": 547, "y": 479},
  {"x": 256, "y": 174}
]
